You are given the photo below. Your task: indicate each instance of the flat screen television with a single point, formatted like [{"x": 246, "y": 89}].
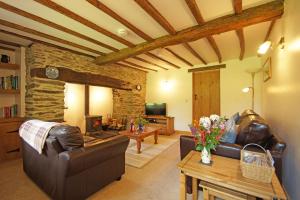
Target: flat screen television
[{"x": 156, "y": 109}]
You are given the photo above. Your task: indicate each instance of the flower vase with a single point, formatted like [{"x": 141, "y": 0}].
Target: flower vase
[{"x": 205, "y": 156}]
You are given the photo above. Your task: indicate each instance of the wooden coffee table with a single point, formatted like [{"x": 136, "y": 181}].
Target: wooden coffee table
[
  {"x": 224, "y": 179},
  {"x": 139, "y": 136}
]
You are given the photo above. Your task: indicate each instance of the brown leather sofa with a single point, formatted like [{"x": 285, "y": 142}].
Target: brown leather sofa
[
  {"x": 252, "y": 129},
  {"x": 68, "y": 170}
]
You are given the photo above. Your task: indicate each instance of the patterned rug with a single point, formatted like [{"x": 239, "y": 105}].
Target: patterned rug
[{"x": 149, "y": 150}]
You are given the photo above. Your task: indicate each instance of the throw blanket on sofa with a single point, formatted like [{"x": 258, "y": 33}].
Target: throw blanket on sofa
[{"x": 35, "y": 132}]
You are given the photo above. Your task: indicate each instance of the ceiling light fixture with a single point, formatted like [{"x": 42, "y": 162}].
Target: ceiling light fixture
[
  {"x": 264, "y": 47},
  {"x": 122, "y": 32}
]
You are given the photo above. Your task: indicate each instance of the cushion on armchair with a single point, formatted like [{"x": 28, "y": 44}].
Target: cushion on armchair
[
  {"x": 253, "y": 129},
  {"x": 69, "y": 137}
]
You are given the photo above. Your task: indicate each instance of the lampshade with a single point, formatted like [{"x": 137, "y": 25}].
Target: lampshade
[
  {"x": 264, "y": 47},
  {"x": 246, "y": 89}
]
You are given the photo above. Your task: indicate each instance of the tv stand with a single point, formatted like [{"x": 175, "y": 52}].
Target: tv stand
[{"x": 166, "y": 123}]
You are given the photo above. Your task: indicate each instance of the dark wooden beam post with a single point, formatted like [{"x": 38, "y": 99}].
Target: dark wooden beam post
[{"x": 87, "y": 100}]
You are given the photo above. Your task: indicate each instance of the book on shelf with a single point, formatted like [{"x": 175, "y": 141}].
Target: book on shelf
[
  {"x": 9, "y": 111},
  {"x": 9, "y": 82}
]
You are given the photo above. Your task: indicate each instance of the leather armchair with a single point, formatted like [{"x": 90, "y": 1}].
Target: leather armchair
[
  {"x": 252, "y": 129},
  {"x": 68, "y": 170}
]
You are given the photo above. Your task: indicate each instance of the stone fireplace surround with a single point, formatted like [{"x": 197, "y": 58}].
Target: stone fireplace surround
[{"x": 45, "y": 98}]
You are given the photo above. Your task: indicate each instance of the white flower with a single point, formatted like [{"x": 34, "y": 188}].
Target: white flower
[
  {"x": 205, "y": 122},
  {"x": 214, "y": 118}
]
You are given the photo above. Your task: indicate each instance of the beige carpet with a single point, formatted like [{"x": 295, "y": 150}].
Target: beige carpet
[
  {"x": 158, "y": 180},
  {"x": 149, "y": 150}
]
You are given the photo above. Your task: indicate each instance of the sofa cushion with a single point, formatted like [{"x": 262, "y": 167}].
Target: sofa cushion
[
  {"x": 253, "y": 129},
  {"x": 69, "y": 137},
  {"x": 230, "y": 133}
]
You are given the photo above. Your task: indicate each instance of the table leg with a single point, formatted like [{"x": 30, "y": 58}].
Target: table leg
[
  {"x": 138, "y": 145},
  {"x": 182, "y": 186},
  {"x": 155, "y": 137},
  {"x": 195, "y": 189}
]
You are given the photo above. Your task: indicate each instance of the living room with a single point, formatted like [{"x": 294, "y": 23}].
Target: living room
[{"x": 133, "y": 76}]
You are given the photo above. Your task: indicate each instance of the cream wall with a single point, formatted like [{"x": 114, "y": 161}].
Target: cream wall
[
  {"x": 74, "y": 102},
  {"x": 101, "y": 103},
  {"x": 178, "y": 93},
  {"x": 281, "y": 94}
]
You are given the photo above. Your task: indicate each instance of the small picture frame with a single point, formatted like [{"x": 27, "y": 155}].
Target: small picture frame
[{"x": 267, "y": 69}]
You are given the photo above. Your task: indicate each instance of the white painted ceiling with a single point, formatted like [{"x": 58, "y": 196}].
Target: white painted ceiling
[{"x": 175, "y": 11}]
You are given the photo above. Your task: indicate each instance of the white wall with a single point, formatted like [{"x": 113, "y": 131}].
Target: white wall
[
  {"x": 179, "y": 94},
  {"x": 281, "y": 94},
  {"x": 101, "y": 103}
]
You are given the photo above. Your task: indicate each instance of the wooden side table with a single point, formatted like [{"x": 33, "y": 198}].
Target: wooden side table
[{"x": 224, "y": 179}]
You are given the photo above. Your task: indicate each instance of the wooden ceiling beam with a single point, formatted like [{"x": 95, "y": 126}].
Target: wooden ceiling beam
[
  {"x": 138, "y": 66},
  {"x": 6, "y": 48},
  {"x": 192, "y": 4},
  {"x": 10, "y": 43},
  {"x": 120, "y": 19},
  {"x": 45, "y": 43},
  {"x": 266, "y": 12},
  {"x": 149, "y": 62},
  {"x": 190, "y": 49},
  {"x": 44, "y": 35},
  {"x": 240, "y": 34},
  {"x": 238, "y": 9},
  {"x": 179, "y": 57},
  {"x": 162, "y": 59},
  {"x": 270, "y": 30},
  {"x": 155, "y": 14},
  {"x": 68, "y": 13},
  {"x": 127, "y": 66},
  {"x": 53, "y": 25}
]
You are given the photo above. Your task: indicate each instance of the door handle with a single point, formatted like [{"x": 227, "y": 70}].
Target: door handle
[{"x": 196, "y": 97}]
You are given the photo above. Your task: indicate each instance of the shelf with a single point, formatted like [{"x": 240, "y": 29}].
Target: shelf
[
  {"x": 9, "y": 91},
  {"x": 9, "y": 66},
  {"x": 11, "y": 119}
]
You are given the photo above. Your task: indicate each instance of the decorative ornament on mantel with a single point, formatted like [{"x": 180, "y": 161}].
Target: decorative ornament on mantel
[
  {"x": 52, "y": 72},
  {"x": 207, "y": 132}
]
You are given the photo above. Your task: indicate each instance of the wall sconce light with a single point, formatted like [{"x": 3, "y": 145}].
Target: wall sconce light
[
  {"x": 264, "y": 47},
  {"x": 166, "y": 85}
]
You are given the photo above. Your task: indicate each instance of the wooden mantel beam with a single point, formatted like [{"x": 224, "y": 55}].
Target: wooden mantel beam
[
  {"x": 254, "y": 15},
  {"x": 71, "y": 76}
]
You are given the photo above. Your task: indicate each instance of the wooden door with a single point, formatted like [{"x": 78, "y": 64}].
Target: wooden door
[{"x": 206, "y": 93}]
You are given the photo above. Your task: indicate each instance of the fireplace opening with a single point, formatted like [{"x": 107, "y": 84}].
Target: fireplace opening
[{"x": 90, "y": 116}]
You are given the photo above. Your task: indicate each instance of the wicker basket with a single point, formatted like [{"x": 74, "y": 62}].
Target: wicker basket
[{"x": 256, "y": 166}]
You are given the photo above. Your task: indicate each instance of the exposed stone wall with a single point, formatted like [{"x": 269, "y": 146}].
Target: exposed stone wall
[{"x": 45, "y": 98}]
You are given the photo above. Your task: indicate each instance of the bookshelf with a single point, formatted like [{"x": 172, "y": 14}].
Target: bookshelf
[
  {"x": 9, "y": 91},
  {"x": 10, "y": 146},
  {"x": 12, "y": 84}
]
